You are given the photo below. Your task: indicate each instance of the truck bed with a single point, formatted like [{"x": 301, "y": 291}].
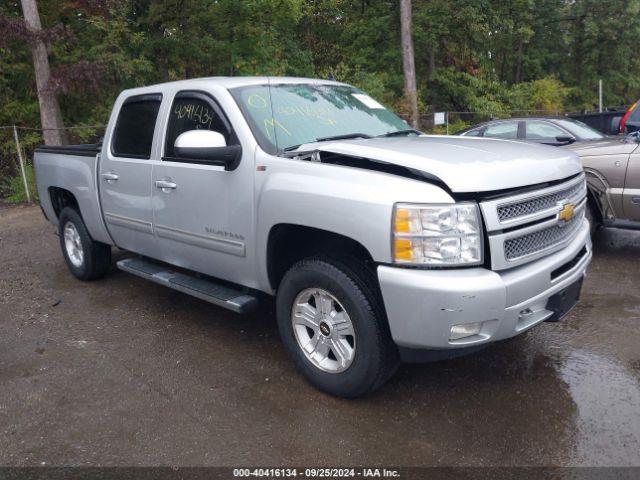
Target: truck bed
[
  {"x": 71, "y": 168},
  {"x": 83, "y": 150}
]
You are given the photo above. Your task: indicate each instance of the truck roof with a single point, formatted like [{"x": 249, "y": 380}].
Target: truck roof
[{"x": 229, "y": 82}]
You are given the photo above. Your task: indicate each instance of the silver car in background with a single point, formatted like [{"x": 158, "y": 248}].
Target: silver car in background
[{"x": 555, "y": 131}]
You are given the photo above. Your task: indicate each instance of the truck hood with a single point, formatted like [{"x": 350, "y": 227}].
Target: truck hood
[{"x": 464, "y": 164}]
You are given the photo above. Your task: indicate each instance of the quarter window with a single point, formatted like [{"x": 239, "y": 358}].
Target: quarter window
[
  {"x": 136, "y": 123},
  {"x": 473, "y": 133},
  {"x": 193, "y": 113}
]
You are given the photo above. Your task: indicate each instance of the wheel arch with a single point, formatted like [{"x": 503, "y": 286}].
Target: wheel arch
[
  {"x": 598, "y": 194},
  {"x": 288, "y": 243},
  {"x": 592, "y": 200},
  {"x": 62, "y": 198},
  {"x": 57, "y": 198}
]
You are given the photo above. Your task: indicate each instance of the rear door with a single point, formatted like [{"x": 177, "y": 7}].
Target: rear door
[
  {"x": 125, "y": 174},
  {"x": 203, "y": 220}
]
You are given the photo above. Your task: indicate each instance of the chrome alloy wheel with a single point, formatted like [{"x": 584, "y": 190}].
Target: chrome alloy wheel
[
  {"x": 323, "y": 330},
  {"x": 73, "y": 245}
]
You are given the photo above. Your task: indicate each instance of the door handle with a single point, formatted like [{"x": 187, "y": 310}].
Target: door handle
[
  {"x": 165, "y": 185},
  {"x": 110, "y": 177}
]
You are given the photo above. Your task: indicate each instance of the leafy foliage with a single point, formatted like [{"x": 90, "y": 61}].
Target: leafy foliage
[
  {"x": 480, "y": 55},
  {"x": 486, "y": 56},
  {"x": 12, "y": 188}
]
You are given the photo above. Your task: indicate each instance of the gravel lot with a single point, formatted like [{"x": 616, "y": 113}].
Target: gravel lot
[{"x": 124, "y": 372}]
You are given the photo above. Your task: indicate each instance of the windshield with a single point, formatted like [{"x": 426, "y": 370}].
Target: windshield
[
  {"x": 285, "y": 115},
  {"x": 580, "y": 130}
]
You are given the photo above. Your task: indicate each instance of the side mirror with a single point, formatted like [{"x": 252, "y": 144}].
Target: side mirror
[
  {"x": 565, "y": 139},
  {"x": 207, "y": 146}
]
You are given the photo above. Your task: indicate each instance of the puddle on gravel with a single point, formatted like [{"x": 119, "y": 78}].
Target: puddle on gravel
[{"x": 607, "y": 397}]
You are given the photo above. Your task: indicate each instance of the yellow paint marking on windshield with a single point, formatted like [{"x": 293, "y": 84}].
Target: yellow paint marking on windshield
[
  {"x": 256, "y": 101},
  {"x": 318, "y": 113},
  {"x": 273, "y": 123}
]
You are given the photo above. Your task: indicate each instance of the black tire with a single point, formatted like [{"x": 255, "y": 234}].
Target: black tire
[
  {"x": 355, "y": 287},
  {"x": 96, "y": 255},
  {"x": 594, "y": 217}
]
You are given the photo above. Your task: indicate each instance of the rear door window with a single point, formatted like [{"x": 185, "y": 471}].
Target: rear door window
[
  {"x": 502, "y": 130},
  {"x": 133, "y": 135}
]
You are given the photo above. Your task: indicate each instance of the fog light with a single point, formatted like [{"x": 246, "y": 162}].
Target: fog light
[
  {"x": 524, "y": 314},
  {"x": 465, "y": 330}
]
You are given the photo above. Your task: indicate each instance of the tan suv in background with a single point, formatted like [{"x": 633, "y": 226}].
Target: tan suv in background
[{"x": 612, "y": 166}]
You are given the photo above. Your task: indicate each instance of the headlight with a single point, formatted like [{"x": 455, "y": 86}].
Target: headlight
[{"x": 437, "y": 234}]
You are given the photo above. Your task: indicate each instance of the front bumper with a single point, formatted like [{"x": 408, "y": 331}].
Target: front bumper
[{"x": 423, "y": 305}]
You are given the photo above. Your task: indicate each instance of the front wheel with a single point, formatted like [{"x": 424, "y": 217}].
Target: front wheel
[
  {"x": 593, "y": 217},
  {"x": 86, "y": 258},
  {"x": 333, "y": 326}
]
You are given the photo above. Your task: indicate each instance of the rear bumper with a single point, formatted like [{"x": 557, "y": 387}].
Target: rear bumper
[{"x": 423, "y": 305}]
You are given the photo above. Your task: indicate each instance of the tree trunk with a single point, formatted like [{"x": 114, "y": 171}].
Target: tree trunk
[
  {"x": 432, "y": 59},
  {"x": 518, "y": 74},
  {"x": 408, "y": 61},
  {"x": 50, "y": 116}
]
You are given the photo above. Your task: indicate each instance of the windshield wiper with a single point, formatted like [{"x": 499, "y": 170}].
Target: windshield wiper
[
  {"x": 346, "y": 136},
  {"x": 397, "y": 133},
  {"x": 292, "y": 147}
]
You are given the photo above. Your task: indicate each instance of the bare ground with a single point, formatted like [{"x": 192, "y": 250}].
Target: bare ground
[{"x": 124, "y": 372}]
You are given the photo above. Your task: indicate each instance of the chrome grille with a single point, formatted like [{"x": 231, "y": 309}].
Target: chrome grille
[
  {"x": 527, "y": 226},
  {"x": 518, "y": 247},
  {"x": 538, "y": 204}
]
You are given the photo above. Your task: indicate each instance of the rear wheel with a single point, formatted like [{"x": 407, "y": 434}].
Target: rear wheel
[
  {"x": 86, "y": 258},
  {"x": 333, "y": 326}
]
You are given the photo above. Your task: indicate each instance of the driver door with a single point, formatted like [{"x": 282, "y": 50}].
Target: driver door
[{"x": 202, "y": 211}]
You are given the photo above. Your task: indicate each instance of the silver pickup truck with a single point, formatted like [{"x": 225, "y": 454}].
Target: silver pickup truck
[{"x": 379, "y": 243}]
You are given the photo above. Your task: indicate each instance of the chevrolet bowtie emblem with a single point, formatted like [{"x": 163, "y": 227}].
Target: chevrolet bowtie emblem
[{"x": 566, "y": 213}]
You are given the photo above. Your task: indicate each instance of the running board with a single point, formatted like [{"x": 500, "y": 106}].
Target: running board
[
  {"x": 626, "y": 224},
  {"x": 203, "y": 289}
]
